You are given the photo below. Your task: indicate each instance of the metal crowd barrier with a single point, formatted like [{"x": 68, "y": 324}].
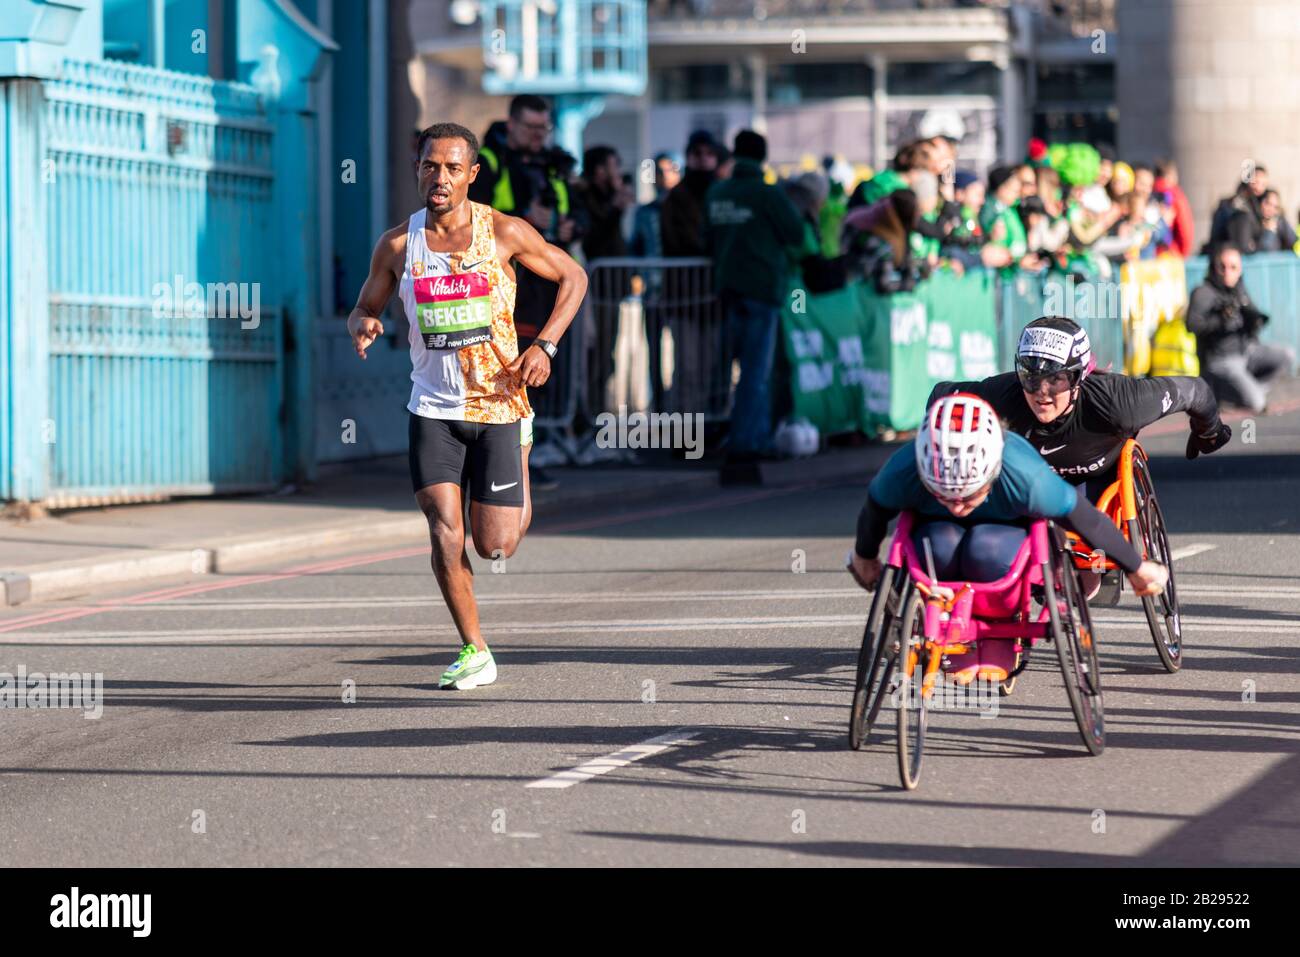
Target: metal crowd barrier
[
  {"x": 666, "y": 351},
  {"x": 556, "y": 403},
  {"x": 1024, "y": 297}
]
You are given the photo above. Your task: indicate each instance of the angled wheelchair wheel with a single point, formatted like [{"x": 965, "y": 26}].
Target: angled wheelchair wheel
[
  {"x": 911, "y": 702},
  {"x": 1162, "y": 611},
  {"x": 1076, "y": 645},
  {"x": 878, "y": 655}
]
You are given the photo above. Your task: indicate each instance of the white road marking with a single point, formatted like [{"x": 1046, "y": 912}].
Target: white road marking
[
  {"x": 499, "y": 628},
  {"x": 1252, "y": 591},
  {"x": 589, "y": 770},
  {"x": 507, "y": 630},
  {"x": 1270, "y": 625},
  {"x": 1187, "y": 551},
  {"x": 547, "y": 598}
]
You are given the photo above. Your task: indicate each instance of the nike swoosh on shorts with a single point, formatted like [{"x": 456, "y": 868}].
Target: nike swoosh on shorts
[{"x": 502, "y": 488}]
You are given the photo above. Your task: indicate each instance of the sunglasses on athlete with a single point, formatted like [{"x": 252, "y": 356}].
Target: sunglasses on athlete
[{"x": 1057, "y": 382}]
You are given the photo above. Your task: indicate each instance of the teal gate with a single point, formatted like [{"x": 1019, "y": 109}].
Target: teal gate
[{"x": 165, "y": 373}]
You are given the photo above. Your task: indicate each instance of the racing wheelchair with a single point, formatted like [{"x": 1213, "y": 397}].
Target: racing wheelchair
[{"x": 914, "y": 621}]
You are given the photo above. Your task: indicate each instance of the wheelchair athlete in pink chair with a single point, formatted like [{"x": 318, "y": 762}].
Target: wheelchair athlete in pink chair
[{"x": 974, "y": 491}]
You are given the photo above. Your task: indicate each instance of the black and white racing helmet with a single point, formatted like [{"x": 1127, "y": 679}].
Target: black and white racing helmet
[{"x": 1054, "y": 344}]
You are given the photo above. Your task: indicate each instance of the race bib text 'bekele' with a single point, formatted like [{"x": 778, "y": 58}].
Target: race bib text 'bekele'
[{"x": 454, "y": 311}]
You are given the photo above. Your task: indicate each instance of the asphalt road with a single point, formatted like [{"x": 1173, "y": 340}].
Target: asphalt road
[{"x": 225, "y": 738}]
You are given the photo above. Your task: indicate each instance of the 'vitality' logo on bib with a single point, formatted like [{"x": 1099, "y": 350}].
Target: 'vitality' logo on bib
[{"x": 454, "y": 311}]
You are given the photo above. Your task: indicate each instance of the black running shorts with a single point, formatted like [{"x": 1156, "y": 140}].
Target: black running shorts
[{"x": 488, "y": 456}]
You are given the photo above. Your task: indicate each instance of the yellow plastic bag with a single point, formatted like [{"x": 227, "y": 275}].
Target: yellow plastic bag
[{"x": 1173, "y": 349}]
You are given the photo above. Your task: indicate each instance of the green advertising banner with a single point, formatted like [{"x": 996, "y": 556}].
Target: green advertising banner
[{"x": 863, "y": 361}]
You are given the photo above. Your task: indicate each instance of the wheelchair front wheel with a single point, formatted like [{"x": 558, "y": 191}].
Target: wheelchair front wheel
[
  {"x": 1163, "y": 615},
  {"x": 911, "y": 701},
  {"x": 1076, "y": 645},
  {"x": 877, "y": 657}
]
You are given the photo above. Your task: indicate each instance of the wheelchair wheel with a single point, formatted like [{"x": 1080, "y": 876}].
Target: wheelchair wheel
[
  {"x": 877, "y": 657},
  {"x": 911, "y": 702},
  {"x": 1162, "y": 612},
  {"x": 1076, "y": 645}
]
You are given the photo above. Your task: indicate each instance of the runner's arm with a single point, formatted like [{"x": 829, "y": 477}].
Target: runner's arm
[
  {"x": 1136, "y": 403},
  {"x": 526, "y": 244},
  {"x": 364, "y": 325},
  {"x": 873, "y": 524},
  {"x": 895, "y": 487}
]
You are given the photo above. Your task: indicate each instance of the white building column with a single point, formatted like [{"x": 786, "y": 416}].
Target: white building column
[
  {"x": 879, "y": 113},
  {"x": 1012, "y": 109},
  {"x": 758, "y": 99}
]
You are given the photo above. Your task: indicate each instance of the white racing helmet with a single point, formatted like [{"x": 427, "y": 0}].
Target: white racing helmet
[{"x": 959, "y": 446}]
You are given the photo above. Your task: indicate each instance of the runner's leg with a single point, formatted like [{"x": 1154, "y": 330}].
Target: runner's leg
[
  {"x": 443, "y": 509},
  {"x": 498, "y": 489},
  {"x": 437, "y": 461}
]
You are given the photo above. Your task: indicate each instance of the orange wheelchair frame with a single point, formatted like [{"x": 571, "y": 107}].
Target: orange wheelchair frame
[{"x": 1130, "y": 502}]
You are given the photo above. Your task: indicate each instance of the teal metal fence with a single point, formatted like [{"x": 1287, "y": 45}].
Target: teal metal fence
[
  {"x": 1272, "y": 279},
  {"x": 1025, "y": 297},
  {"x": 165, "y": 369}
]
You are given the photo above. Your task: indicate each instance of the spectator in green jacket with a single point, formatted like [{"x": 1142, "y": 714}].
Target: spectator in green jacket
[
  {"x": 749, "y": 225},
  {"x": 910, "y": 163},
  {"x": 1001, "y": 221}
]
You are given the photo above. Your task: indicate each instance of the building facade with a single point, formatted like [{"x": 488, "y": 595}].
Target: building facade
[{"x": 853, "y": 78}]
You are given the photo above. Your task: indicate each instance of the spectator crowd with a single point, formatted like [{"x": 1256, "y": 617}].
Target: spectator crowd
[{"x": 1072, "y": 209}]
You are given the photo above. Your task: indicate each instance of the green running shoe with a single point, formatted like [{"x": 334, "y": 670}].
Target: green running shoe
[{"x": 470, "y": 669}]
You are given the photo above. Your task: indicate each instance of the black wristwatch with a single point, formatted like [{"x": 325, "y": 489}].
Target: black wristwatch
[{"x": 546, "y": 346}]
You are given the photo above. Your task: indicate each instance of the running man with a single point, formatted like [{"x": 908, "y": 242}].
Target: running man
[{"x": 470, "y": 424}]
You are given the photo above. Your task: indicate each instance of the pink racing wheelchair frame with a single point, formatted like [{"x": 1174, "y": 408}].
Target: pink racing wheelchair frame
[{"x": 997, "y": 609}]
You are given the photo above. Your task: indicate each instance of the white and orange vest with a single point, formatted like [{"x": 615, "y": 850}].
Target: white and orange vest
[{"x": 468, "y": 383}]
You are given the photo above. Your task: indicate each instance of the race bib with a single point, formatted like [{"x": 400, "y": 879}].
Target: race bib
[{"x": 454, "y": 311}]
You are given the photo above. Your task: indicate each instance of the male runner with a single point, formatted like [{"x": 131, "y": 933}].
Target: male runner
[{"x": 470, "y": 421}]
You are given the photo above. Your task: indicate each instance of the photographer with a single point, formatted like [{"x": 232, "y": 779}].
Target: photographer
[
  {"x": 520, "y": 175},
  {"x": 1226, "y": 323}
]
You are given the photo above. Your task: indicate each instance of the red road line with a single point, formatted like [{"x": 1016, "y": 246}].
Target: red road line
[
  {"x": 47, "y": 618},
  {"x": 314, "y": 568}
]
